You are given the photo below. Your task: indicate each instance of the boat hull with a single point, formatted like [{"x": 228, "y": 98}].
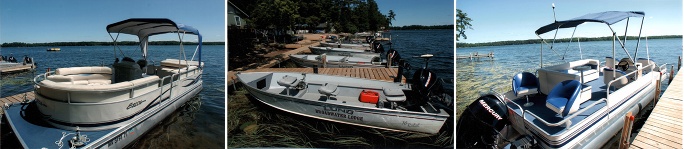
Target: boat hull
[
  {"x": 395, "y": 120},
  {"x": 38, "y": 134},
  {"x": 310, "y": 63}
]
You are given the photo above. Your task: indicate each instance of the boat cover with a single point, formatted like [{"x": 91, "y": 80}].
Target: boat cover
[
  {"x": 145, "y": 27},
  {"x": 608, "y": 17}
]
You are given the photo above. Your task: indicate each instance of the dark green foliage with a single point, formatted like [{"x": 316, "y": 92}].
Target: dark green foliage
[
  {"x": 342, "y": 15},
  {"x": 97, "y": 43},
  {"x": 421, "y": 27},
  {"x": 537, "y": 41},
  {"x": 463, "y": 23}
]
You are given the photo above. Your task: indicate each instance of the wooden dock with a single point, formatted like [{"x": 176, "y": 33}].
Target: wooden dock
[
  {"x": 383, "y": 74},
  {"x": 663, "y": 128},
  {"x": 7, "y": 69},
  {"x": 475, "y": 55}
]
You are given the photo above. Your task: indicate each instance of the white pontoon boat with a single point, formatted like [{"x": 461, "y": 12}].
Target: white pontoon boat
[
  {"x": 577, "y": 104},
  {"x": 103, "y": 107}
]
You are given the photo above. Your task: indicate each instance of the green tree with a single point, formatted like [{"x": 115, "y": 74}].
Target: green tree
[
  {"x": 462, "y": 23},
  {"x": 390, "y": 17}
]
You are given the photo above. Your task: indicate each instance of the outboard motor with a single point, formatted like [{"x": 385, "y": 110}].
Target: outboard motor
[
  {"x": 377, "y": 47},
  {"x": 393, "y": 57},
  {"x": 479, "y": 126}
]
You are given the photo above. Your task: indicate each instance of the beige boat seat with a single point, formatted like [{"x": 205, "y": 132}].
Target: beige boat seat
[
  {"x": 328, "y": 89},
  {"x": 608, "y": 76},
  {"x": 82, "y": 75},
  {"x": 94, "y": 93},
  {"x": 287, "y": 82},
  {"x": 394, "y": 95}
]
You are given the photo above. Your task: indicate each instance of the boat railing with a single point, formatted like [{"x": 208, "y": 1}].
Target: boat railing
[
  {"x": 621, "y": 77},
  {"x": 506, "y": 100},
  {"x": 42, "y": 77},
  {"x": 567, "y": 120}
]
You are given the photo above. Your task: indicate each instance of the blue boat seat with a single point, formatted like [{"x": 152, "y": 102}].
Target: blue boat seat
[
  {"x": 525, "y": 84},
  {"x": 563, "y": 98},
  {"x": 328, "y": 89},
  {"x": 287, "y": 82},
  {"x": 608, "y": 76}
]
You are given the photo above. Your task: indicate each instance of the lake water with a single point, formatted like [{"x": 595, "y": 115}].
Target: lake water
[
  {"x": 198, "y": 124},
  {"x": 251, "y": 124},
  {"x": 476, "y": 77}
]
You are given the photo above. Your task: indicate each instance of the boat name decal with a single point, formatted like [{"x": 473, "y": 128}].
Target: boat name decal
[
  {"x": 120, "y": 137},
  {"x": 410, "y": 124},
  {"x": 135, "y": 104},
  {"x": 490, "y": 110},
  {"x": 339, "y": 112}
]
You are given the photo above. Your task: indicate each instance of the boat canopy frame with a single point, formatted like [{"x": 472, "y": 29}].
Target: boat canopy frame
[
  {"x": 143, "y": 28},
  {"x": 608, "y": 17}
]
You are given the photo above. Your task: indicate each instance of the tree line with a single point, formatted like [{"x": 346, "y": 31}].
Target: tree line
[
  {"x": 97, "y": 43},
  {"x": 341, "y": 15},
  {"x": 422, "y": 27},
  {"x": 537, "y": 41}
]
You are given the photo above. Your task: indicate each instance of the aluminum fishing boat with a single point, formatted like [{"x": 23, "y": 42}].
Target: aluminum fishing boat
[
  {"x": 576, "y": 104},
  {"x": 332, "y": 61},
  {"x": 108, "y": 107},
  {"x": 421, "y": 106},
  {"x": 346, "y": 45}
]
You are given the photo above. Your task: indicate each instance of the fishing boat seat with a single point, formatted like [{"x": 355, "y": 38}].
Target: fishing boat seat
[
  {"x": 608, "y": 76},
  {"x": 394, "y": 95},
  {"x": 287, "y": 82},
  {"x": 328, "y": 89},
  {"x": 525, "y": 84},
  {"x": 563, "y": 98}
]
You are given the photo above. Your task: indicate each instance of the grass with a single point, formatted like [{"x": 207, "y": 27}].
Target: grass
[{"x": 257, "y": 125}]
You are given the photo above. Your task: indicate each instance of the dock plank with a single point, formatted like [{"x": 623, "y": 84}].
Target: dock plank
[
  {"x": 382, "y": 74},
  {"x": 663, "y": 127}
]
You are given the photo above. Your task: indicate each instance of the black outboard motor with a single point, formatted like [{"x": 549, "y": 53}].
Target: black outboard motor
[
  {"x": 377, "y": 47},
  {"x": 393, "y": 57},
  {"x": 479, "y": 126}
]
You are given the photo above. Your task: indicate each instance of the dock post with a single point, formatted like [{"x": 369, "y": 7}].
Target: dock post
[
  {"x": 315, "y": 69},
  {"x": 658, "y": 88},
  {"x": 626, "y": 131},
  {"x": 399, "y": 71},
  {"x": 679, "y": 63},
  {"x": 671, "y": 75}
]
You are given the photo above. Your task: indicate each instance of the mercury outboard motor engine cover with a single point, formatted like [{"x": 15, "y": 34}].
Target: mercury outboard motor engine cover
[
  {"x": 377, "y": 47},
  {"x": 480, "y": 124}
]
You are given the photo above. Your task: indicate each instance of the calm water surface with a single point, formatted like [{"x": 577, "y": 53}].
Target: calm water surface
[
  {"x": 476, "y": 77},
  {"x": 198, "y": 124}
]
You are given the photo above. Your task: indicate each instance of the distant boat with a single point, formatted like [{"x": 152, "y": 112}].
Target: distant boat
[{"x": 54, "y": 49}]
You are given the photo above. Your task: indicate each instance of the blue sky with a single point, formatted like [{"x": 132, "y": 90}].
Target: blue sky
[
  {"x": 85, "y": 20},
  {"x": 418, "y": 12},
  {"x": 517, "y": 20}
]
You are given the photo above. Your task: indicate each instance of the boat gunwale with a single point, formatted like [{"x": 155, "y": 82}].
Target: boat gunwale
[{"x": 291, "y": 98}]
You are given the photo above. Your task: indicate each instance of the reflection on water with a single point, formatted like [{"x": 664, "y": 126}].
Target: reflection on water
[{"x": 173, "y": 132}]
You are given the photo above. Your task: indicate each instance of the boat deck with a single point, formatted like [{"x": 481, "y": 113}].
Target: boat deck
[
  {"x": 383, "y": 74},
  {"x": 28, "y": 123},
  {"x": 14, "y": 67},
  {"x": 663, "y": 128},
  {"x": 598, "y": 91}
]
